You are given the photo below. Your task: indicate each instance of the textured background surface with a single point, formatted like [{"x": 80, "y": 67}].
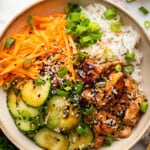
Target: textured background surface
[{"x": 9, "y": 8}]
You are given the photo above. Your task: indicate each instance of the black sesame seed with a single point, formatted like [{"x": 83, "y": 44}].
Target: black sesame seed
[{"x": 90, "y": 74}]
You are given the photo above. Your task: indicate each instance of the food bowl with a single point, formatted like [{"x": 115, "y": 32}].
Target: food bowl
[{"x": 44, "y": 8}]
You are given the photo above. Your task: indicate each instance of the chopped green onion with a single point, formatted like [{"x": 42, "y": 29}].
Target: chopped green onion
[
  {"x": 61, "y": 92},
  {"x": 72, "y": 8},
  {"x": 27, "y": 63},
  {"x": 85, "y": 39},
  {"x": 77, "y": 89},
  {"x": 78, "y": 58},
  {"x": 83, "y": 55},
  {"x": 128, "y": 69},
  {"x": 108, "y": 54},
  {"x": 82, "y": 129},
  {"x": 108, "y": 140},
  {"x": 85, "y": 21},
  {"x": 93, "y": 27},
  {"x": 88, "y": 110},
  {"x": 71, "y": 27},
  {"x": 95, "y": 36},
  {"x": 143, "y": 10},
  {"x": 62, "y": 72},
  {"x": 110, "y": 14},
  {"x": 147, "y": 24},
  {"x": 129, "y": 1},
  {"x": 80, "y": 30},
  {"x": 144, "y": 106},
  {"x": 120, "y": 126},
  {"x": 9, "y": 43},
  {"x": 89, "y": 39},
  {"x": 118, "y": 68},
  {"x": 68, "y": 88},
  {"x": 31, "y": 22},
  {"x": 66, "y": 85},
  {"x": 115, "y": 26},
  {"x": 25, "y": 115},
  {"x": 85, "y": 32},
  {"x": 74, "y": 16},
  {"x": 130, "y": 56},
  {"x": 6, "y": 86},
  {"x": 38, "y": 81}
]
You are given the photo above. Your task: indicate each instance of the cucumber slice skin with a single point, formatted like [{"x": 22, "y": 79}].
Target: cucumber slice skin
[
  {"x": 80, "y": 141},
  {"x": 36, "y": 96},
  {"x": 51, "y": 140},
  {"x": 12, "y": 103},
  {"x": 57, "y": 119},
  {"x": 16, "y": 107}
]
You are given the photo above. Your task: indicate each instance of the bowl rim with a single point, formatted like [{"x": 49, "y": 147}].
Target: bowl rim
[{"x": 110, "y": 2}]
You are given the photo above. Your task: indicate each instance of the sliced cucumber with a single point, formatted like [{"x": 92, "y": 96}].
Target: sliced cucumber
[
  {"x": 51, "y": 140},
  {"x": 80, "y": 141},
  {"x": 25, "y": 126},
  {"x": 23, "y": 107},
  {"x": 18, "y": 108},
  {"x": 26, "y": 117},
  {"x": 35, "y": 95},
  {"x": 62, "y": 114},
  {"x": 12, "y": 103}
]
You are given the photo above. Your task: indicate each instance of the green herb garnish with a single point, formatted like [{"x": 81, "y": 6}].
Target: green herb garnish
[
  {"x": 147, "y": 24},
  {"x": 110, "y": 14},
  {"x": 144, "y": 106},
  {"x": 10, "y": 42},
  {"x": 85, "y": 32},
  {"x": 143, "y": 10},
  {"x": 62, "y": 72}
]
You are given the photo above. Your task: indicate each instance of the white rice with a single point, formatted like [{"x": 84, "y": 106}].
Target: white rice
[{"x": 118, "y": 43}]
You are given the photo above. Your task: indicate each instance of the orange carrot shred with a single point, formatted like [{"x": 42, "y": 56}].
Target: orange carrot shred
[{"x": 47, "y": 38}]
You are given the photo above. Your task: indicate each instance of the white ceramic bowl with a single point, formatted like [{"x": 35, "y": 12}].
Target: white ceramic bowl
[{"x": 50, "y": 6}]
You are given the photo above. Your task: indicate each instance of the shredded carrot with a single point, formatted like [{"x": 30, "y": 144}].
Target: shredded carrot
[
  {"x": 47, "y": 38},
  {"x": 69, "y": 63},
  {"x": 21, "y": 83}
]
